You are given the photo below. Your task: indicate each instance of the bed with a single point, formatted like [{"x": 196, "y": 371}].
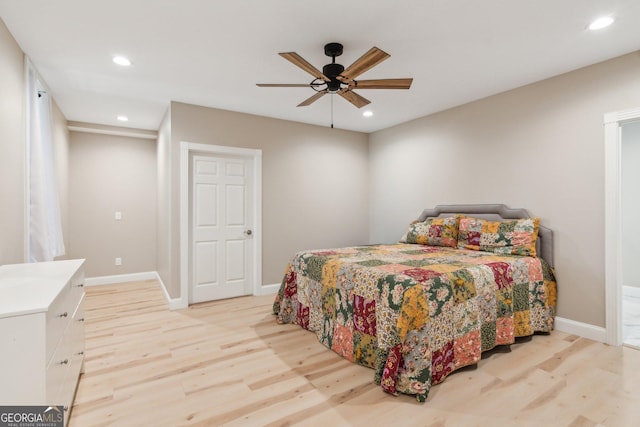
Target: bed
[{"x": 462, "y": 280}]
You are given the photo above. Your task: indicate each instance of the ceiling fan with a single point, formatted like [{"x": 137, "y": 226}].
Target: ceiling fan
[{"x": 334, "y": 78}]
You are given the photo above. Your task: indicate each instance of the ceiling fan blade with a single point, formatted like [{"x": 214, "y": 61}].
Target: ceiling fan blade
[
  {"x": 299, "y": 61},
  {"x": 354, "y": 98},
  {"x": 371, "y": 58},
  {"x": 283, "y": 85},
  {"x": 312, "y": 99},
  {"x": 383, "y": 84}
]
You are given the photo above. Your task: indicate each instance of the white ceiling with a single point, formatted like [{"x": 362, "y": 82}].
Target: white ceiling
[{"x": 212, "y": 53}]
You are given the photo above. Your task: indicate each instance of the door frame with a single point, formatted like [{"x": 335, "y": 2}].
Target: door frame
[
  {"x": 186, "y": 149},
  {"x": 613, "y": 221}
]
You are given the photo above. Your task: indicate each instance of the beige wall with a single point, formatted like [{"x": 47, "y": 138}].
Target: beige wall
[
  {"x": 539, "y": 147},
  {"x": 631, "y": 204},
  {"x": 314, "y": 181},
  {"x": 109, "y": 173},
  {"x": 12, "y": 149}
]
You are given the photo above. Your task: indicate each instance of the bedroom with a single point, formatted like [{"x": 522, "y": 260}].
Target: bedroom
[{"x": 554, "y": 125}]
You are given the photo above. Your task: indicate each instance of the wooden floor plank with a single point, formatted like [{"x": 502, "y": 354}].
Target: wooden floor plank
[{"x": 229, "y": 363}]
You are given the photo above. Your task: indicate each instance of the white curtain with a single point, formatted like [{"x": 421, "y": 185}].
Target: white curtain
[{"x": 45, "y": 226}]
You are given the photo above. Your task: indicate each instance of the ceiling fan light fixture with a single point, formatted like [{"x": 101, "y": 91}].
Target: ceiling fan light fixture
[
  {"x": 334, "y": 86},
  {"x": 600, "y": 23}
]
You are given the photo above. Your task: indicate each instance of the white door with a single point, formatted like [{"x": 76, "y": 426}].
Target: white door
[{"x": 221, "y": 227}]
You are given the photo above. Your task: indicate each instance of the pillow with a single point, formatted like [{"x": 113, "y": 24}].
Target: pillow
[
  {"x": 512, "y": 237},
  {"x": 433, "y": 232}
]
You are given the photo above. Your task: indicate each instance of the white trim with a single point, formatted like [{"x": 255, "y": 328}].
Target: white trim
[
  {"x": 613, "y": 222},
  {"x": 183, "y": 235},
  {"x": 132, "y": 133},
  {"x": 174, "y": 303},
  {"x": 120, "y": 278},
  {"x": 629, "y": 115},
  {"x": 27, "y": 162},
  {"x": 256, "y": 155},
  {"x": 584, "y": 330},
  {"x": 269, "y": 289}
]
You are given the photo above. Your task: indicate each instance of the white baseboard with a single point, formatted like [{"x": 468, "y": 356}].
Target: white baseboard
[
  {"x": 180, "y": 303},
  {"x": 584, "y": 330},
  {"x": 174, "y": 303},
  {"x": 269, "y": 289},
  {"x": 120, "y": 278}
]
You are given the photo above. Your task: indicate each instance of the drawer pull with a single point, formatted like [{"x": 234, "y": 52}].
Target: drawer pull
[
  {"x": 80, "y": 353},
  {"x": 64, "y": 362},
  {"x": 65, "y": 314},
  {"x": 81, "y": 285},
  {"x": 81, "y": 319}
]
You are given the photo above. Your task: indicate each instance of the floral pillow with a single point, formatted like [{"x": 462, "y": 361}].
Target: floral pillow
[
  {"x": 433, "y": 232},
  {"x": 512, "y": 237}
]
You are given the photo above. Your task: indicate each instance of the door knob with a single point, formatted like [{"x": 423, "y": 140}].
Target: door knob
[{"x": 248, "y": 232}]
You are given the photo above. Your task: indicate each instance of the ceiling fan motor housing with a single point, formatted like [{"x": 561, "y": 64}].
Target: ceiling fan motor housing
[{"x": 332, "y": 71}]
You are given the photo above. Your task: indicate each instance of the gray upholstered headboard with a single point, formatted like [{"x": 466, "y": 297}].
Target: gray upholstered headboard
[{"x": 544, "y": 245}]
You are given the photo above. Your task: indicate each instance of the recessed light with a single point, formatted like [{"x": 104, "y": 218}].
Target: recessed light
[
  {"x": 367, "y": 113},
  {"x": 121, "y": 60},
  {"x": 123, "y": 118},
  {"x": 601, "y": 23}
]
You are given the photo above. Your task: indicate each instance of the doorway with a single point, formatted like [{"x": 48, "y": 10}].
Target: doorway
[
  {"x": 220, "y": 222},
  {"x": 630, "y": 237},
  {"x": 613, "y": 124}
]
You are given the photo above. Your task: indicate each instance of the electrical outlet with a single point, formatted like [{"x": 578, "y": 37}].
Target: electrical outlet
[
  {"x": 118, "y": 216},
  {"x": 118, "y": 261}
]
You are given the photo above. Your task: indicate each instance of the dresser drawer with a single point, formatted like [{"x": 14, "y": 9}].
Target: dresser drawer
[
  {"x": 68, "y": 389},
  {"x": 58, "y": 318},
  {"x": 58, "y": 368},
  {"x": 77, "y": 331},
  {"x": 61, "y": 310},
  {"x": 77, "y": 288}
]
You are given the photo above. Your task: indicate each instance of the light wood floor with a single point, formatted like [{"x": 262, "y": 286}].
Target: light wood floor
[{"x": 229, "y": 363}]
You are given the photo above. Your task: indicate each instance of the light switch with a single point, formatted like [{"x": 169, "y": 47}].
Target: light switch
[{"x": 118, "y": 215}]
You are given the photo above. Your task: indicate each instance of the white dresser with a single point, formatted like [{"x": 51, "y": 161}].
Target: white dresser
[{"x": 42, "y": 332}]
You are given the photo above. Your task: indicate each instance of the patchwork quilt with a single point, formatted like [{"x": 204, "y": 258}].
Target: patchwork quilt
[{"x": 415, "y": 313}]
